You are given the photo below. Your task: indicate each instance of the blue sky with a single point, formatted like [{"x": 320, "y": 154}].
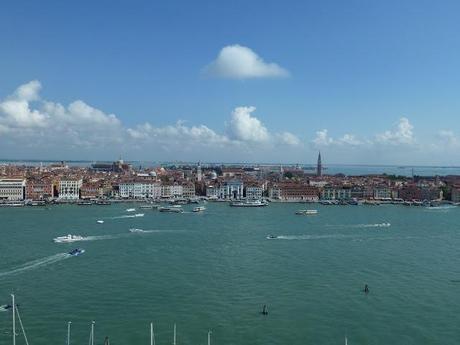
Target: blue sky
[{"x": 263, "y": 81}]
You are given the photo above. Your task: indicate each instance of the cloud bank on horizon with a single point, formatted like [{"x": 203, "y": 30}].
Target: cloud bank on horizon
[{"x": 31, "y": 126}]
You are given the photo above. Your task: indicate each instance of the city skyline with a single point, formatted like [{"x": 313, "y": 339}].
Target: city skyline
[{"x": 145, "y": 90}]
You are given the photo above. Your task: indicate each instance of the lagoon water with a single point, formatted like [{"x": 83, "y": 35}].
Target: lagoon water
[{"x": 217, "y": 269}]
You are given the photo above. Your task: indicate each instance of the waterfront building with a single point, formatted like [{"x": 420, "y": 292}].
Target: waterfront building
[
  {"x": 293, "y": 191},
  {"x": 139, "y": 189},
  {"x": 12, "y": 189},
  {"x": 39, "y": 189},
  {"x": 232, "y": 189},
  {"x": 254, "y": 192},
  {"x": 188, "y": 190},
  {"x": 69, "y": 189},
  {"x": 319, "y": 166},
  {"x": 383, "y": 192},
  {"x": 212, "y": 192},
  {"x": 336, "y": 193},
  {"x": 91, "y": 190}
]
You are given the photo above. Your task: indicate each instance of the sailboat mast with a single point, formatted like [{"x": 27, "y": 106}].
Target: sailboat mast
[
  {"x": 68, "y": 332},
  {"x": 174, "y": 340},
  {"x": 92, "y": 333},
  {"x": 152, "y": 339},
  {"x": 14, "y": 319}
]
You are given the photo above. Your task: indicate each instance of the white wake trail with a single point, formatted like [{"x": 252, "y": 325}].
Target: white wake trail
[{"x": 36, "y": 264}]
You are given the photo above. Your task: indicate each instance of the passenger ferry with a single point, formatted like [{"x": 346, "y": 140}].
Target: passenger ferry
[{"x": 248, "y": 203}]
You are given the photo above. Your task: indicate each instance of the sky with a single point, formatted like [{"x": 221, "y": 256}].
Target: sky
[{"x": 364, "y": 82}]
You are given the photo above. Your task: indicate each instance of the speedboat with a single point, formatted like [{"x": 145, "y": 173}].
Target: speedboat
[
  {"x": 271, "y": 237},
  {"x": 139, "y": 215},
  {"x": 130, "y": 209},
  {"x": 68, "y": 239},
  {"x": 100, "y": 221},
  {"x": 306, "y": 212},
  {"x": 199, "y": 209},
  {"x": 136, "y": 230},
  {"x": 76, "y": 252}
]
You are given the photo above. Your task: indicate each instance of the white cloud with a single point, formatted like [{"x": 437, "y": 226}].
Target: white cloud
[
  {"x": 402, "y": 135},
  {"x": 287, "y": 138},
  {"x": 447, "y": 139},
  {"x": 178, "y": 135},
  {"x": 244, "y": 127},
  {"x": 30, "y": 121},
  {"x": 29, "y": 91},
  {"x": 238, "y": 62},
  {"x": 322, "y": 138}
]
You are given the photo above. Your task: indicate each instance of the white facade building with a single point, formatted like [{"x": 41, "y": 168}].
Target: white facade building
[
  {"x": 254, "y": 192},
  {"x": 12, "y": 189},
  {"x": 70, "y": 189},
  {"x": 139, "y": 190}
]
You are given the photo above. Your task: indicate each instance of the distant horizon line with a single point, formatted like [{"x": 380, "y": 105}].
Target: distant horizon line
[{"x": 227, "y": 163}]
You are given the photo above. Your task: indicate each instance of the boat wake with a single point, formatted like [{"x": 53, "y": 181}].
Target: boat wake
[
  {"x": 36, "y": 264},
  {"x": 310, "y": 237},
  {"x": 129, "y": 216},
  {"x": 377, "y": 225},
  {"x": 440, "y": 208},
  {"x": 142, "y": 231}
]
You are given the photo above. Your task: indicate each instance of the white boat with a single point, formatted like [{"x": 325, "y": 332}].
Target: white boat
[
  {"x": 306, "y": 212},
  {"x": 171, "y": 209},
  {"x": 199, "y": 209},
  {"x": 136, "y": 230},
  {"x": 130, "y": 209},
  {"x": 100, "y": 221},
  {"x": 68, "y": 239},
  {"x": 139, "y": 215},
  {"x": 247, "y": 203},
  {"x": 149, "y": 207}
]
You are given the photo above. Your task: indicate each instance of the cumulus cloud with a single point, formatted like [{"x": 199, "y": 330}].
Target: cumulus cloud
[
  {"x": 244, "y": 127},
  {"x": 28, "y": 120},
  {"x": 323, "y": 139},
  {"x": 238, "y": 62},
  {"x": 177, "y": 134},
  {"x": 403, "y": 134},
  {"x": 287, "y": 138}
]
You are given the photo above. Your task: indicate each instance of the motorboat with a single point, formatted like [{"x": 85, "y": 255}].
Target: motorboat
[
  {"x": 247, "y": 203},
  {"x": 138, "y": 215},
  {"x": 68, "y": 239},
  {"x": 149, "y": 207},
  {"x": 100, "y": 221},
  {"x": 136, "y": 230},
  {"x": 306, "y": 212},
  {"x": 76, "y": 252},
  {"x": 130, "y": 209},
  {"x": 272, "y": 237},
  {"x": 199, "y": 209},
  {"x": 171, "y": 209}
]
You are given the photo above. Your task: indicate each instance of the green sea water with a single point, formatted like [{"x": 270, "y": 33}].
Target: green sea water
[{"x": 215, "y": 271}]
